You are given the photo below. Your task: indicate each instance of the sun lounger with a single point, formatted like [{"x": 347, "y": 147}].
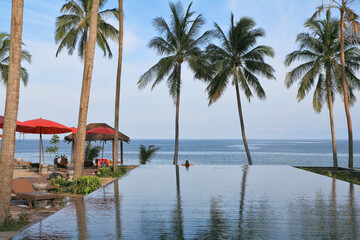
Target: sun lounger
[{"x": 24, "y": 190}]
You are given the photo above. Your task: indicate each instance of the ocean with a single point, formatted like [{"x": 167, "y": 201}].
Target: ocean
[{"x": 215, "y": 152}]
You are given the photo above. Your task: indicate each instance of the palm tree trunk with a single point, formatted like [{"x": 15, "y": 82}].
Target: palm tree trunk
[
  {"x": 346, "y": 97},
  {"x": 331, "y": 115},
  {"x": 177, "y": 119},
  {"x": 242, "y": 123},
  {"x": 85, "y": 92},
  {"x": 118, "y": 81},
  {"x": 11, "y": 109}
]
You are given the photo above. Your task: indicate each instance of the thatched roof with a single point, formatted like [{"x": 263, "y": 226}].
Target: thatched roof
[{"x": 98, "y": 136}]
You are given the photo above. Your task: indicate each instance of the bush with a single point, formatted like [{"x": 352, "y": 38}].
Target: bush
[
  {"x": 83, "y": 185},
  {"x": 11, "y": 224},
  {"x": 108, "y": 172}
]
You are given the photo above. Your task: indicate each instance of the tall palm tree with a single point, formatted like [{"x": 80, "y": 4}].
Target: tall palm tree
[
  {"x": 4, "y": 59},
  {"x": 11, "y": 109},
  {"x": 346, "y": 15},
  {"x": 321, "y": 49},
  {"x": 85, "y": 91},
  {"x": 181, "y": 44},
  {"x": 117, "y": 94},
  {"x": 72, "y": 28},
  {"x": 239, "y": 58},
  {"x": 145, "y": 154}
]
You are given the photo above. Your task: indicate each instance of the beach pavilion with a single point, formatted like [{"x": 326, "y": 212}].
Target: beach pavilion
[{"x": 98, "y": 137}]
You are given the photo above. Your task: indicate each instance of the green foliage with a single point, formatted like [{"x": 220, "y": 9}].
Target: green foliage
[
  {"x": 146, "y": 154},
  {"x": 108, "y": 172},
  {"x": 11, "y": 224},
  {"x": 4, "y": 59},
  {"x": 53, "y": 149},
  {"x": 83, "y": 185},
  {"x": 344, "y": 176},
  {"x": 91, "y": 152}
]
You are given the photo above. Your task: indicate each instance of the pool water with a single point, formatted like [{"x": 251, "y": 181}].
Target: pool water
[{"x": 210, "y": 202}]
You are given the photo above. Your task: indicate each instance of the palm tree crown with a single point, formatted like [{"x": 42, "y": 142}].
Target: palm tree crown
[
  {"x": 72, "y": 28},
  {"x": 239, "y": 58},
  {"x": 321, "y": 49},
  {"x": 4, "y": 59}
]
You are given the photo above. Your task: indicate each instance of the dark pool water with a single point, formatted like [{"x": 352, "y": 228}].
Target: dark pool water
[{"x": 210, "y": 202}]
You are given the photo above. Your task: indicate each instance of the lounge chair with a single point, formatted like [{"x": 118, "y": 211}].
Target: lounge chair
[
  {"x": 58, "y": 165},
  {"x": 23, "y": 190}
]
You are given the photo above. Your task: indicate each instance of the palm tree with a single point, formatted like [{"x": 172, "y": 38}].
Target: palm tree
[
  {"x": 146, "y": 154},
  {"x": 11, "y": 109},
  {"x": 72, "y": 28},
  {"x": 85, "y": 91},
  {"x": 4, "y": 59},
  {"x": 240, "y": 58},
  {"x": 348, "y": 15},
  {"x": 117, "y": 94},
  {"x": 91, "y": 152},
  {"x": 321, "y": 49},
  {"x": 181, "y": 44}
]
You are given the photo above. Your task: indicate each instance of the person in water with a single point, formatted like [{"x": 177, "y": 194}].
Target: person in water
[{"x": 187, "y": 164}]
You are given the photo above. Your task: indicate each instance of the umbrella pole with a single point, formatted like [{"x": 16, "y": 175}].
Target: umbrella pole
[
  {"x": 40, "y": 155},
  {"x": 102, "y": 154}
]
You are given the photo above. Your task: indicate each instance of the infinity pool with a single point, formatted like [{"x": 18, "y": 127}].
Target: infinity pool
[{"x": 210, "y": 202}]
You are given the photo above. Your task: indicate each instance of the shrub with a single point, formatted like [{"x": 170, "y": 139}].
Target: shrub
[
  {"x": 11, "y": 224},
  {"x": 107, "y": 172},
  {"x": 83, "y": 185}
]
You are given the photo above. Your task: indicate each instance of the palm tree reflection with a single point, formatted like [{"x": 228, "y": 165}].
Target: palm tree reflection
[
  {"x": 117, "y": 209},
  {"x": 178, "y": 227},
  {"x": 81, "y": 218}
]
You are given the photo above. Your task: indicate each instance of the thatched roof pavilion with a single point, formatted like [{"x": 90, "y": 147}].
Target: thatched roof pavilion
[{"x": 98, "y": 136}]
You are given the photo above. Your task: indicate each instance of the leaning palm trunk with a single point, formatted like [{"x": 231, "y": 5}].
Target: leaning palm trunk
[
  {"x": 242, "y": 124},
  {"x": 331, "y": 115},
  {"x": 346, "y": 97},
  {"x": 177, "y": 118},
  {"x": 118, "y": 81},
  {"x": 11, "y": 110},
  {"x": 85, "y": 92}
]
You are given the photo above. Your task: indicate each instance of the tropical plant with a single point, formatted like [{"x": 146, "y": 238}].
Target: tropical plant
[
  {"x": 91, "y": 152},
  {"x": 146, "y": 154},
  {"x": 11, "y": 109},
  {"x": 53, "y": 149},
  {"x": 181, "y": 43},
  {"x": 85, "y": 92},
  {"x": 72, "y": 28},
  {"x": 4, "y": 59},
  {"x": 321, "y": 50},
  {"x": 83, "y": 185},
  {"x": 117, "y": 94},
  {"x": 239, "y": 58},
  {"x": 108, "y": 172},
  {"x": 347, "y": 15}
]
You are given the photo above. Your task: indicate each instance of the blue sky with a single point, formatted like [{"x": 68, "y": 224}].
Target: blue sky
[{"x": 53, "y": 91}]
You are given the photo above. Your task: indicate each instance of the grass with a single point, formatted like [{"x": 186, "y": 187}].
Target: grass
[{"x": 344, "y": 176}]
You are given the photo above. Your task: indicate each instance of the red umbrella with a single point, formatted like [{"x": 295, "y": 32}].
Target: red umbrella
[
  {"x": 43, "y": 126},
  {"x": 19, "y": 126}
]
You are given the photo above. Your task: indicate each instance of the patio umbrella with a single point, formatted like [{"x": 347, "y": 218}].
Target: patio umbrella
[
  {"x": 19, "y": 126},
  {"x": 103, "y": 130},
  {"x": 43, "y": 126}
]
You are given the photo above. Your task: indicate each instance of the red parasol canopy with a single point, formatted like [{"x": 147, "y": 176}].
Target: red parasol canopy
[
  {"x": 43, "y": 126},
  {"x": 19, "y": 125}
]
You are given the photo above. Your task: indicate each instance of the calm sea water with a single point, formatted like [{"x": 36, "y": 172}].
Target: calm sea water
[{"x": 216, "y": 152}]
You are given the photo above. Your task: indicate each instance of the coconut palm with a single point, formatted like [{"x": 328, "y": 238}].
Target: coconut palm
[
  {"x": 117, "y": 94},
  {"x": 181, "y": 43},
  {"x": 91, "y": 152},
  {"x": 239, "y": 58},
  {"x": 146, "y": 154},
  {"x": 72, "y": 28},
  {"x": 321, "y": 49},
  {"x": 4, "y": 59},
  {"x": 11, "y": 109},
  {"x": 347, "y": 15},
  {"x": 85, "y": 92}
]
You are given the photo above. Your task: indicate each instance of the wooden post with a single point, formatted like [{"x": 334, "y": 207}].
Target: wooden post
[{"x": 122, "y": 152}]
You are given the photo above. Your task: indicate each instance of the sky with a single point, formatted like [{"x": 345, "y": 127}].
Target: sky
[{"x": 53, "y": 91}]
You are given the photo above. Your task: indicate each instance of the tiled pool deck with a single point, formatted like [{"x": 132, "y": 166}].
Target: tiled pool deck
[{"x": 210, "y": 202}]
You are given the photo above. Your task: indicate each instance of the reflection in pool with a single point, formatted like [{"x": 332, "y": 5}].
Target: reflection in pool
[{"x": 210, "y": 202}]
